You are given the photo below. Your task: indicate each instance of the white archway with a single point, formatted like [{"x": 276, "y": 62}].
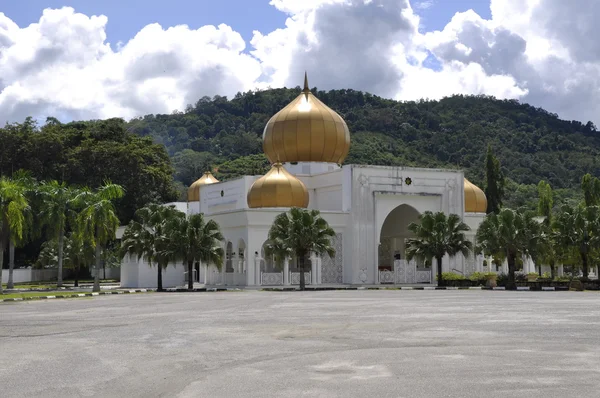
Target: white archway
[{"x": 393, "y": 234}]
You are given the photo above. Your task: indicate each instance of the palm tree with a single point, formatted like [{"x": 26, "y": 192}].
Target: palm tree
[
  {"x": 435, "y": 236},
  {"x": 14, "y": 208},
  {"x": 508, "y": 235},
  {"x": 146, "y": 236},
  {"x": 58, "y": 203},
  {"x": 195, "y": 239},
  {"x": 579, "y": 228},
  {"x": 98, "y": 221},
  {"x": 27, "y": 183},
  {"x": 299, "y": 232},
  {"x": 77, "y": 253}
]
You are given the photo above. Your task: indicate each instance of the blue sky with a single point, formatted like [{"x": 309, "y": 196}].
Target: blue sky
[{"x": 127, "y": 17}]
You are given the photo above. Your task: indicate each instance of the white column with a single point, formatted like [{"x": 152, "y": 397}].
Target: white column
[
  {"x": 560, "y": 270},
  {"x": 319, "y": 269},
  {"x": 257, "y": 270},
  {"x": 313, "y": 269},
  {"x": 286, "y": 271}
]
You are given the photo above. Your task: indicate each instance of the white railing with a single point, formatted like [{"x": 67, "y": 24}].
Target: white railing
[
  {"x": 405, "y": 272},
  {"x": 271, "y": 278},
  {"x": 295, "y": 278}
]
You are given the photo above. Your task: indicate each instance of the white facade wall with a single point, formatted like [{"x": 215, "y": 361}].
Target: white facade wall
[
  {"x": 30, "y": 275},
  {"x": 137, "y": 273},
  {"x": 355, "y": 200}
]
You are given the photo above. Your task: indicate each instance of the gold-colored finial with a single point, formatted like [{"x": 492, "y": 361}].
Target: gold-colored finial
[{"x": 306, "y": 89}]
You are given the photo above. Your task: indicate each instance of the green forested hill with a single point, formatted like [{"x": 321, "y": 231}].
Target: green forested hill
[{"x": 531, "y": 143}]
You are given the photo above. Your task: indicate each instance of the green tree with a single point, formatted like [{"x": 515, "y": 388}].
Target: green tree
[
  {"x": 590, "y": 186},
  {"x": 28, "y": 184},
  {"x": 194, "y": 239},
  {"x": 578, "y": 228},
  {"x": 548, "y": 253},
  {"x": 98, "y": 221},
  {"x": 509, "y": 235},
  {"x": 14, "y": 207},
  {"x": 435, "y": 236},
  {"x": 299, "y": 232},
  {"x": 545, "y": 202},
  {"x": 494, "y": 182},
  {"x": 58, "y": 209},
  {"x": 146, "y": 236}
]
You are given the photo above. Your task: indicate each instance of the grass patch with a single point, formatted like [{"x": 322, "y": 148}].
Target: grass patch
[
  {"x": 32, "y": 286},
  {"x": 28, "y": 295}
]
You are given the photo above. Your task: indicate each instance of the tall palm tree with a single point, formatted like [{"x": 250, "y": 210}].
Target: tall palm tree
[
  {"x": 28, "y": 185},
  {"x": 435, "y": 236},
  {"x": 508, "y": 235},
  {"x": 146, "y": 236},
  {"x": 195, "y": 239},
  {"x": 14, "y": 207},
  {"x": 98, "y": 221},
  {"x": 76, "y": 254},
  {"x": 579, "y": 228},
  {"x": 299, "y": 232},
  {"x": 58, "y": 209}
]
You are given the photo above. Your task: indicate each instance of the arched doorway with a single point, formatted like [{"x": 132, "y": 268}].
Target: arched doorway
[{"x": 394, "y": 233}]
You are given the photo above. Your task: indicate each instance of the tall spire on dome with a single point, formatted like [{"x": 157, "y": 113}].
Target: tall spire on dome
[{"x": 306, "y": 89}]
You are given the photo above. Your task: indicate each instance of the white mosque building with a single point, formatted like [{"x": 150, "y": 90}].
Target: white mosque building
[{"x": 369, "y": 207}]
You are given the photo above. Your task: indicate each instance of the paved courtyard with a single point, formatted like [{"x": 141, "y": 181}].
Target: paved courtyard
[{"x": 310, "y": 344}]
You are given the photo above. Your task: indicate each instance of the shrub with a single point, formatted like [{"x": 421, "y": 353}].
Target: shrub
[
  {"x": 451, "y": 276},
  {"x": 576, "y": 285},
  {"x": 546, "y": 275},
  {"x": 502, "y": 279},
  {"x": 478, "y": 277},
  {"x": 520, "y": 276}
]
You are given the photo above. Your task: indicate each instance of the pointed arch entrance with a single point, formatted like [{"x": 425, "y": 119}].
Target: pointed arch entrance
[{"x": 391, "y": 255}]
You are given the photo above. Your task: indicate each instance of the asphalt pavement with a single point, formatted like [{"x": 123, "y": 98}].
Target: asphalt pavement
[{"x": 304, "y": 344}]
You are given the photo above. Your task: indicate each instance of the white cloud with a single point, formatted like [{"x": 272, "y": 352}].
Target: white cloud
[
  {"x": 540, "y": 51},
  {"x": 424, "y": 4}
]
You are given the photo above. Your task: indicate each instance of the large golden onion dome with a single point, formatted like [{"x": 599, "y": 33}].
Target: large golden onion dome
[
  {"x": 475, "y": 200},
  {"x": 306, "y": 130},
  {"x": 194, "y": 189},
  {"x": 278, "y": 188}
]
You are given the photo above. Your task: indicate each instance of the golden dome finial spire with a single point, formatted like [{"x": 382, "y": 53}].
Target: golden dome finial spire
[{"x": 306, "y": 90}]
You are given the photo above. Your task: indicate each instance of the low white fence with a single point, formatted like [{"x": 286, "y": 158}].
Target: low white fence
[
  {"x": 405, "y": 272},
  {"x": 30, "y": 275}
]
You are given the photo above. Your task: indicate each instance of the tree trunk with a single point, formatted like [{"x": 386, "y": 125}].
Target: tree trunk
[
  {"x": 302, "y": 281},
  {"x": 190, "y": 275},
  {"x": 61, "y": 240},
  {"x": 159, "y": 278},
  {"x": 11, "y": 264},
  {"x": 511, "y": 259},
  {"x": 585, "y": 267},
  {"x": 1, "y": 262},
  {"x": 97, "y": 269},
  {"x": 77, "y": 276},
  {"x": 552, "y": 269},
  {"x": 440, "y": 280},
  {"x": 540, "y": 270}
]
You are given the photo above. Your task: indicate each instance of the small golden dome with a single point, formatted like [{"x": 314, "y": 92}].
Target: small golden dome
[
  {"x": 194, "y": 189},
  {"x": 475, "y": 200},
  {"x": 306, "y": 130},
  {"x": 278, "y": 188}
]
